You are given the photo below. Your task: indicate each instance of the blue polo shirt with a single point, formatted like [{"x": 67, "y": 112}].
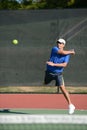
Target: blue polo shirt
[{"x": 57, "y": 58}]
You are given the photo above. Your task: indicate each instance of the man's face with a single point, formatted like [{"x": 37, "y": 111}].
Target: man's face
[{"x": 60, "y": 45}]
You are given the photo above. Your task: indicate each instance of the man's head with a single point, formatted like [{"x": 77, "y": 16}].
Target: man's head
[{"x": 61, "y": 43}]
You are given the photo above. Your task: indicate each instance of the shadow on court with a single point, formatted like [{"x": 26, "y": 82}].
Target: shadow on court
[{"x": 8, "y": 111}]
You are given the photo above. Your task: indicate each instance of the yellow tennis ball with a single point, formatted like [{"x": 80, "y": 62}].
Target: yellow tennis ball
[{"x": 15, "y": 41}]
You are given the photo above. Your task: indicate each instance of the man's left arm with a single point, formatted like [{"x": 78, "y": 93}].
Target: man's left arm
[
  {"x": 63, "y": 64},
  {"x": 57, "y": 64}
]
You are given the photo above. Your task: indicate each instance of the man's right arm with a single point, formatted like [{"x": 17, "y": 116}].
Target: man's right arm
[{"x": 66, "y": 52}]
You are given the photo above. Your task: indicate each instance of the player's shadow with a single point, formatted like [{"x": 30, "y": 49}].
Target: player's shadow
[{"x": 9, "y": 112}]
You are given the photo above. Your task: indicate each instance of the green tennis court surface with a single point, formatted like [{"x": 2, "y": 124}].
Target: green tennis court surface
[
  {"x": 43, "y": 127},
  {"x": 42, "y": 119},
  {"x": 40, "y": 111}
]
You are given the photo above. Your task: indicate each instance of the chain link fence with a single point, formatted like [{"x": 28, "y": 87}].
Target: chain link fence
[{"x": 37, "y": 32}]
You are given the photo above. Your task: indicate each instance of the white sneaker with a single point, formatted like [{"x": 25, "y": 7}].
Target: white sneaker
[{"x": 71, "y": 109}]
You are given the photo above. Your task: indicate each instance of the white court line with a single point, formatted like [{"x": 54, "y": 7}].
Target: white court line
[{"x": 43, "y": 118}]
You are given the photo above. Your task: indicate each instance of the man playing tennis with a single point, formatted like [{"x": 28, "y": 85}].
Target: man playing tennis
[{"x": 59, "y": 59}]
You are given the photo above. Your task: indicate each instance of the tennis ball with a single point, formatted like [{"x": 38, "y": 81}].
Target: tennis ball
[{"x": 15, "y": 41}]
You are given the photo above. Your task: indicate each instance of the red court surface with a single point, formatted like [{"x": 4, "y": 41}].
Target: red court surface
[{"x": 42, "y": 101}]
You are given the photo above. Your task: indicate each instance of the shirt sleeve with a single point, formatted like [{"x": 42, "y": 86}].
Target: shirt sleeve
[
  {"x": 55, "y": 50},
  {"x": 67, "y": 58}
]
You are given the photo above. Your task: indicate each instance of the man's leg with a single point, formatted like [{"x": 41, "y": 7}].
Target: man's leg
[
  {"x": 66, "y": 94},
  {"x": 60, "y": 82},
  {"x": 47, "y": 78},
  {"x": 67, "y": 97}
]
